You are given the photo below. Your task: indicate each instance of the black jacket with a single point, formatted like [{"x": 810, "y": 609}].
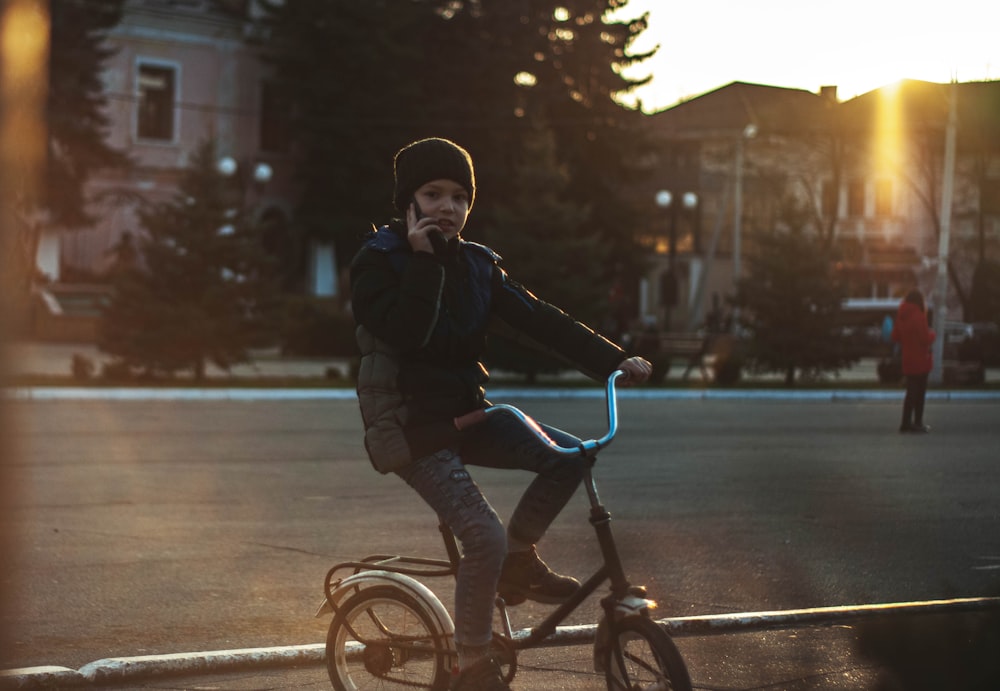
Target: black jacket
[{"x": 423, "y": 322}]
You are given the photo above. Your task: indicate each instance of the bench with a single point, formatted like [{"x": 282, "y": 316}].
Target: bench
[
  {"x": 692, "y": 346},
  {"x": 662, "y": 347}
]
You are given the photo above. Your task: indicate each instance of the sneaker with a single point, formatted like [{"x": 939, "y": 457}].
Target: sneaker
[
  {"x": 484, "y": 675},
  {"x": 920, "y": 428},
  {"x": 526, "y": 577}
]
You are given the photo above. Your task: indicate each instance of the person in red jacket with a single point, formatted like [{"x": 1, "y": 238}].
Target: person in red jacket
[{"x": 915, "y": 337}]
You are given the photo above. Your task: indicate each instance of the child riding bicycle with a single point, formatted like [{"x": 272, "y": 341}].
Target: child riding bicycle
[{"x": 424, "y": 300}]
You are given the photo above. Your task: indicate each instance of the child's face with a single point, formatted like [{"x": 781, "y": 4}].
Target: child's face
[{"x": 447, "y": 203}]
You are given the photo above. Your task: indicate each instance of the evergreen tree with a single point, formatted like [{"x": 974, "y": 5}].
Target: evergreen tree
[
  {"x": 346, "y": 69},
  {"x": 206, "y": 292},
  {"x": 598, "y": 140},
  {"x": 518, "y": 60},
  {"x": 542, "y": 235},
  {"x": 475, "y": 72},
  {"x": 77, "y": 123},
  {"x": 790, "y": 304}
]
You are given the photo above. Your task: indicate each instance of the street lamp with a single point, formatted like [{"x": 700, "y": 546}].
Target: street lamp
[
  {"x": 668, "y": 285},
  {"x": 262, "y": 173},
  {"x": 664, "y": 198},
  {"x": 229, "y": 167},
  {"x": 944, "y": 238},
  {"x": 749, "y": 132}
]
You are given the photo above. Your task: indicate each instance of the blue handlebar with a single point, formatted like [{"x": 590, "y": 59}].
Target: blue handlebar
[{"x": 586, "y": 448}]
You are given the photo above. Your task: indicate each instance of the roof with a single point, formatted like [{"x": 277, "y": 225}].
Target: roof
[
  {"x": 726, "y": 111},
  {"x": 925, "y": 104}
]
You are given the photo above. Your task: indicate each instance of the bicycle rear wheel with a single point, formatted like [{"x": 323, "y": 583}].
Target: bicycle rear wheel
[
  {"x": 642, "y": 656},
  {"x": 383, "y": 638}
]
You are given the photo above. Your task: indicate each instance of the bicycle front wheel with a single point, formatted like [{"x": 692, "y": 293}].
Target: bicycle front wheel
[
  {"x": 642, "y": 656},
  {"x": 383, "y": 638}
]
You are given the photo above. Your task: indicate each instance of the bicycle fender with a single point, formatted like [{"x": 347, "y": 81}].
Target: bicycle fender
[
  {"x": 412, "y": 587},
  {"x": 633, "y": 604}
]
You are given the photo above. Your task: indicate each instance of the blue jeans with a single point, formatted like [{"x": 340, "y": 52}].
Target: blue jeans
[{"x": 445, "y": 484}]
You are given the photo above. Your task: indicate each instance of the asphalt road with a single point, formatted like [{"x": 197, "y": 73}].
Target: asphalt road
[{"x": 163, "y": 527}]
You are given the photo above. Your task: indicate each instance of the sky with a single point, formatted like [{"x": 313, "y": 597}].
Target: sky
[{"x": 855, "y": 45}]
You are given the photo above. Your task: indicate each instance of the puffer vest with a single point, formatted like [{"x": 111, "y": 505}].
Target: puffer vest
[{"x": 409, "y": 399}]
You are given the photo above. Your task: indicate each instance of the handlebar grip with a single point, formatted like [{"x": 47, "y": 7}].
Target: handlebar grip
[{"x": 470, "y": 419}]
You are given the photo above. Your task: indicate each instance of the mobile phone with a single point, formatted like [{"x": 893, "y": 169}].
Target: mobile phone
[
  {"x": 436, "y": 237},
  {"x": 416, "y": 209}
]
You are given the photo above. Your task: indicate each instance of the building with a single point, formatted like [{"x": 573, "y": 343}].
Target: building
[
  {"x": 865, "y": 175},
  {"x": 726, "y": 156},
  {"x": 891, "y": 197},
  {"x": 722, "y": 167},
  {"x": 183, "y": 71}
]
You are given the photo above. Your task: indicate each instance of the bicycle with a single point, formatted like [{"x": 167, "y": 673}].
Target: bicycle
[{"x": 390, "y": 631}]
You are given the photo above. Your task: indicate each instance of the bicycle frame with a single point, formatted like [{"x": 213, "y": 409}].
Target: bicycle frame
[
  {"x": 384, "y": 618},
  {"x": 624, "y": 597}
]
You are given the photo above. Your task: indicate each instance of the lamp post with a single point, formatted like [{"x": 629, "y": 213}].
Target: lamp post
[
  {"x": 668, "y": 285},
  {"x": 230, "y": 168},
  {"x": 941, "y": 286},
  {"x": 749, "y": 132}
]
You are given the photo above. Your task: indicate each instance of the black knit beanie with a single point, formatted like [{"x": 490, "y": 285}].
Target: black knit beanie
[{"x": 431, "y": 159}]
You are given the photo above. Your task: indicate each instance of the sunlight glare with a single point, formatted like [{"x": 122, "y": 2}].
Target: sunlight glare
[
  {"x": 24, "y": 36},
  {"x": 888, "y": 130}
]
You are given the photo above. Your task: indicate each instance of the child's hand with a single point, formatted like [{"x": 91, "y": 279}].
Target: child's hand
[
  {"x": 637, "y": 371},
  {"x": 418, "y": 231}
]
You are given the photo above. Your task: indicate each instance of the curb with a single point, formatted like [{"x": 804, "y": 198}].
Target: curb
[
  {"x": 116, "y": 670},
  {"x": 82, "y": 393},
  {"x": 121, "y": 669},
  {"x": 56, "y": 393},
  {"x": 832, "y": 395}
]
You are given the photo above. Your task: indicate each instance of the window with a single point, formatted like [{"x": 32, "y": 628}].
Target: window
[
  {"x": 883, "y": 198},
  {"x": 829, "y": 194},
  {"x": 989, "y": 197},
  {"x": 856, "y": 198},
  {"x": 273, "y": 120},
  {"x": 156, "y": 102}
]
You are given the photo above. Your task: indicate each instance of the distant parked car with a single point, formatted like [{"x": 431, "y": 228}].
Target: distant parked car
[
  {"x": 987, "y": 335},
  {"x": 963, "y": 359},
  {"x": 862, "y": 325}
]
